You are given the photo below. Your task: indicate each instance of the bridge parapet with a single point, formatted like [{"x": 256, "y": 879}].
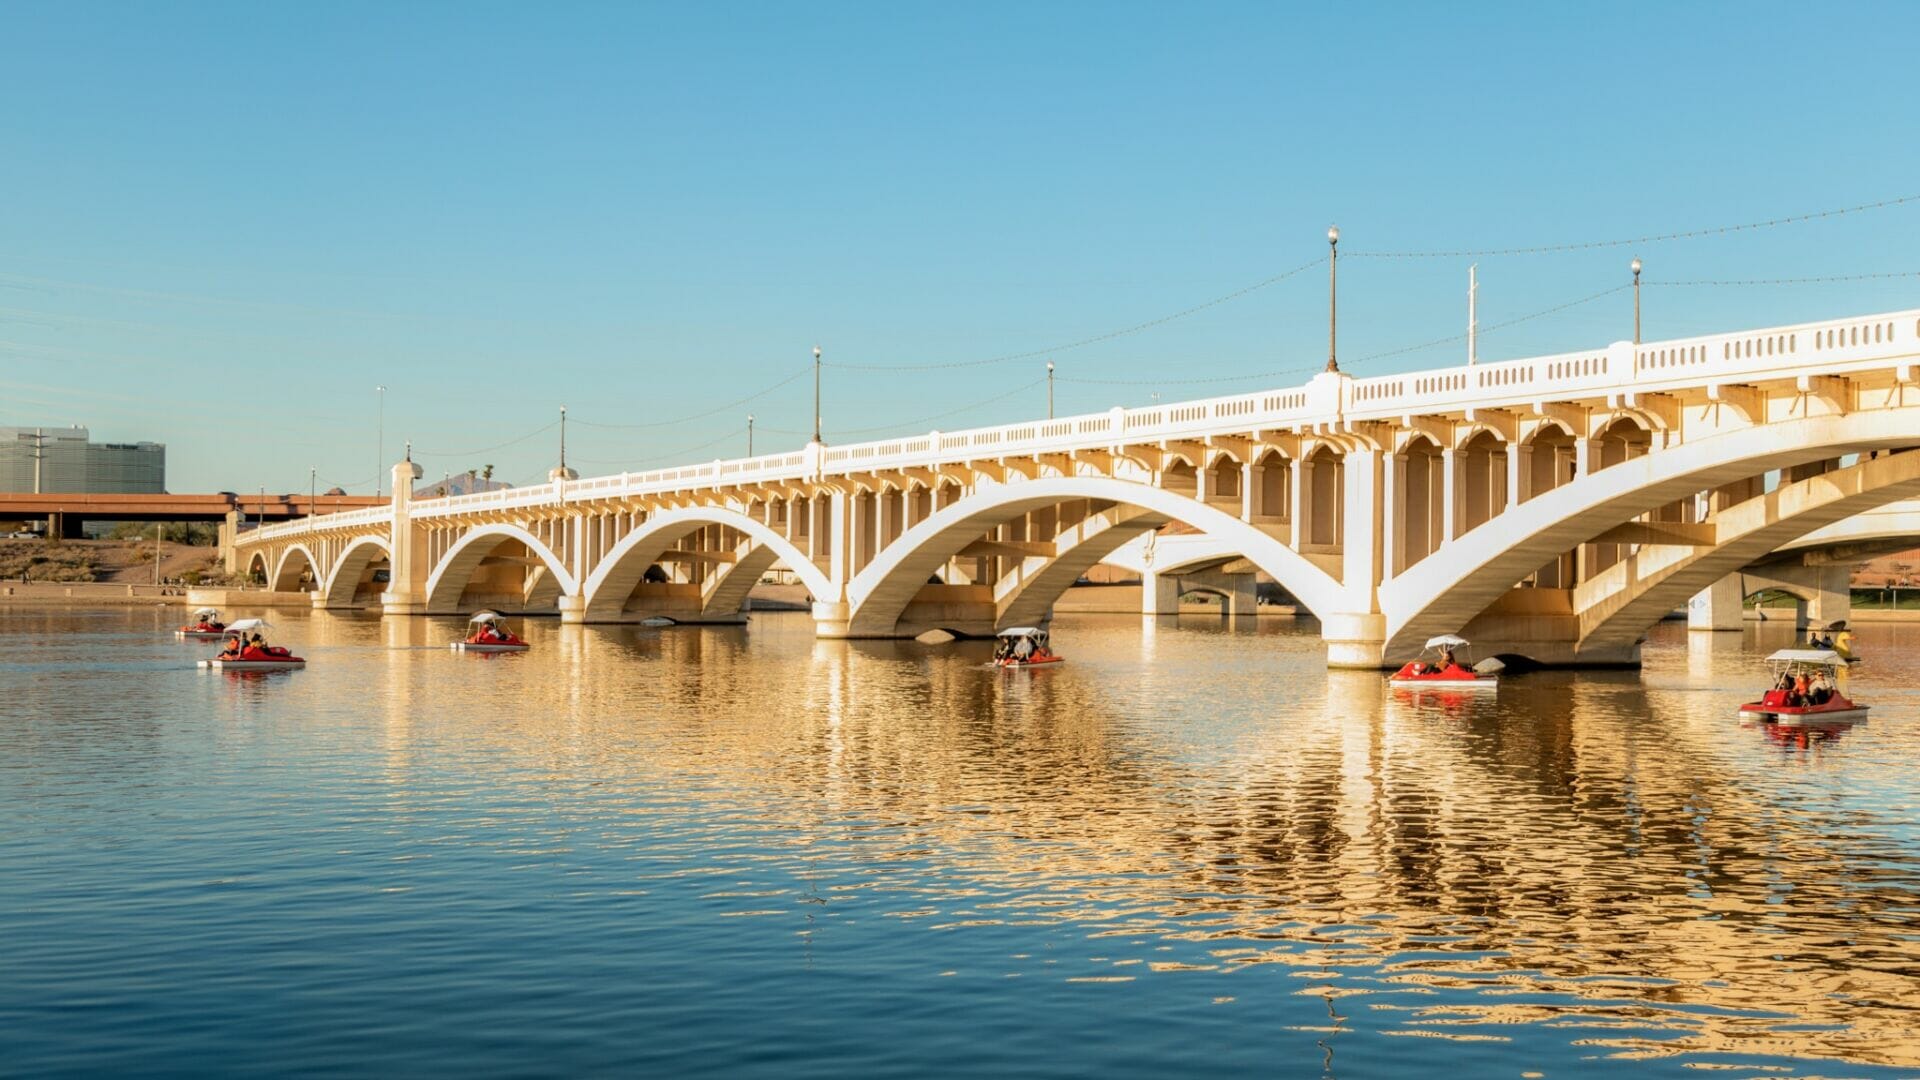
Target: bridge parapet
[{"x": 1394, "y": 506}]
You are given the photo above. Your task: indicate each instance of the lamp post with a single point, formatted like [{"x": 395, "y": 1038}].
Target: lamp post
[
  {"x": 749, "y": 434},
  {"x": 380, "y": 441},
  {"x": 563, "y": 438},
  {"x": 816, "y": 393},
  {"x": 1636, "y": 301},
  {"x": 1333, "y": 292},
  {"x": 313, "y": 492},
  {"x": 1049, "y": 389}
]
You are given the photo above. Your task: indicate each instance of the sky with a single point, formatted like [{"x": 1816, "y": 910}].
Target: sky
[{"x": 223, "y": 226}]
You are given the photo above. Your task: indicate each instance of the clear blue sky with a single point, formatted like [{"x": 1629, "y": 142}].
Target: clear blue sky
[{"x": 222, "y": 225}]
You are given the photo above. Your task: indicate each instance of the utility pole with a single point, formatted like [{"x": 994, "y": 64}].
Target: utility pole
[
  {"x": 749, "y": 434},
  {"x": 313, "y": 492},
  {"x": 39, "y": 452},
  {"x": 1049, "y": 389},
  {"x": 816, "y": 393},
  {"x": 563, "y": 438},
  {"x": 1473, "y": 314}
]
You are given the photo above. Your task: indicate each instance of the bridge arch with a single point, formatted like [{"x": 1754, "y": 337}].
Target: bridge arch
[
  {"x": 449, "y": 579},
  {"x": 296, "y": 558},
  {"x": 614, "y": 578},
  {"x": 1442, "y": 594},
  {"x": 1623, "y": 603},
  {"x": 258, "y": 568},
  {"x": 342, "y": 583},
  {"x": 879, "y": 594}
]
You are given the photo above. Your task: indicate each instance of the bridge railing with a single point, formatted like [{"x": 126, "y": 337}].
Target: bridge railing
[
  {"x": 1835, "y": 346},
  {"x": 346, "y": 519}
]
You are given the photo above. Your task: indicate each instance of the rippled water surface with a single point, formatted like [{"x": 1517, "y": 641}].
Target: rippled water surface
[{"x": 730, "y": 851}]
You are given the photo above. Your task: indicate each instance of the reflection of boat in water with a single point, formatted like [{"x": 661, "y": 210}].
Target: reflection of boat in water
[
  {"x": 241, "y": 655},
  {"x": 1023, "y": 647},
  {"x": 1444, "y": 671},
  {"x": 490, "y": 635},
  {"x": 1807, "y": 689},
  {"x": 206, "y": 626}
]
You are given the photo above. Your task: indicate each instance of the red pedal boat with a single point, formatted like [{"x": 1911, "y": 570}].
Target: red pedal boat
[
  {"x": 1808, "y": 688},
  {"x": 242, "y": 655},
  {"x": 206, "y": 626},
  {"x": 490, "y": 635},
  {"x": 1023, "y": 647},
  {"x": 1438, "y": 669}
]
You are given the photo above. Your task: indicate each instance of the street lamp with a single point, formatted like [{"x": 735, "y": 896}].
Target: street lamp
[
  {"x": 313, "y": 492},
  {"x": 1333, "y": 292},
  {"x": 749, "y": 434},
  {"x": 1049, "y": 389},
  {"x": 1636, "y": 301},
  {"x": 380, "y": 442},
  {"x": 816, "y": 393},
  {"x": 563, "y": 438}
]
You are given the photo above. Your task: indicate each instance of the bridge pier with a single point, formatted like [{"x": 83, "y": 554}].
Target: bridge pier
[
  {"x": 1718, "y": 607},
  {"x": 1355, "y": 641}
]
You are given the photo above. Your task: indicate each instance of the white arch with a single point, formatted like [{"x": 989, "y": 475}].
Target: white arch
[
  {"x": 449, "y": 578},
  {"x": 613, "y": 579},
  {"x": 280, "y": 569},
  {"x": 1442, "y": 592},
  {"x": 1637, "y": 592},
  {"x": 880, "y": 593},
  {"x": 343, "y": 580}
]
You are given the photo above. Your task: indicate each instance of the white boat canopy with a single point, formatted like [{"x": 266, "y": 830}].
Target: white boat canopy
[
  {"x": 485, "y": 616},
  {"x": 1022, "y": 631},
  {"x": 206, "y": 611},
  {"x": 1806, "y": 656},
  {"x": 1445, "y": 641},
  {"x": 241, "y": 626}
]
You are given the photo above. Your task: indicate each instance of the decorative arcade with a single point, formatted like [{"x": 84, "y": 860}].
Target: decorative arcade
[{"x": 1554, "y": 507}]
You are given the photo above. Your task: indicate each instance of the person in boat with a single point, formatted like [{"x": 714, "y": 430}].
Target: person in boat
[
  {"x": 1820, "y": 691},
  {"x": 232, "y": 650},
  {"x": 1843, "y": 643},
  {"x": 1446, "y": 658},
  {"x": 1418, "y": 667},
  {"x": 1023, "y": 650}
]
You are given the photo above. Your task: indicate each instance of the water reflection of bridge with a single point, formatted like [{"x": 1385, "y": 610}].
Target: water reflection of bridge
[{"x": 1596, "y": 842}]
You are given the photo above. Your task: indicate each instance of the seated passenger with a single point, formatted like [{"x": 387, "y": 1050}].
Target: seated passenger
[{"x": 232, "y": 649}]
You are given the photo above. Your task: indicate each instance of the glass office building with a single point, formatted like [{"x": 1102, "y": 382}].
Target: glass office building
[{"x": 65, "y": 460}]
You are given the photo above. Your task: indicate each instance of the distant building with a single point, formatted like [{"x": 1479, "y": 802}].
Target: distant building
[{"x": 64, "y": 460}]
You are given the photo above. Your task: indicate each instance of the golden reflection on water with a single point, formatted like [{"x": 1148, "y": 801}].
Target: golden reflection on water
[
  {"x": 1609, "y": 856},
  {"x": 1581, "y": 853}
]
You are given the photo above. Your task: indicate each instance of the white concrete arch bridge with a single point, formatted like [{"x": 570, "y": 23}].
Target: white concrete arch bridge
[{"x": 1553, "y": 507}]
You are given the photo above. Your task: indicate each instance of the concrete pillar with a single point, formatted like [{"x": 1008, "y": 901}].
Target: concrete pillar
[
  {"x": 1250, "y": 478},
  {"x": 407, "y": 570},
  {"x": 1297, "y": 466},
  {"x": 1519, "y": 474},
  {"x": 1159, "y": 594},
  {"x": 1357, "y": 636},
  {"x": 1450, "y": 494},
  {"x": 1834, "y": 599},
  {"x": 1717, "y": 607},
  {"x": 1393, "y": 522}
]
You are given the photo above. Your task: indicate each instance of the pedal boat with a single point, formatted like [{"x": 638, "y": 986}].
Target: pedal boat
[
  {"x": 1039, "y": 653},
  {"x": 1427, "y": 673},
  {"x": 206, "y": 626},
  {"x": 490, "y": 635},
  {"x": 270, "y": 658},
  {"x": 1772, "y": 706}
]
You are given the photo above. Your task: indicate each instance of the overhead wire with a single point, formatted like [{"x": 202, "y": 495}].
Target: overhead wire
[
  {"x": 1892, "y": 274},
  {"x": 417, "y": 452},
  {"x": 736, "y": 403},
  {"x": 1656, "y": 238},
  {"x": 1082, "y": 343}
]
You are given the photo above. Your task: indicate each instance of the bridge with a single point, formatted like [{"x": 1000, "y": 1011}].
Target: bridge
[
  {"x": 65, "y": 513},
  {"x": 1553, "y": 507}
]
